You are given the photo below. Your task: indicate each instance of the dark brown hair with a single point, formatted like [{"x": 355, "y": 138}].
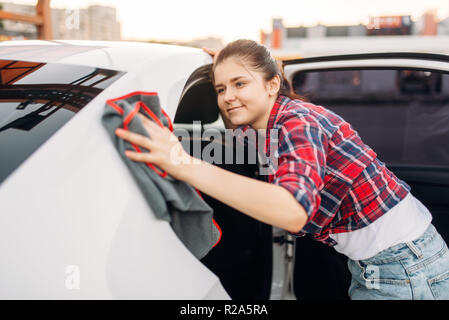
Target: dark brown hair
[{"x": 259, "y": 59}]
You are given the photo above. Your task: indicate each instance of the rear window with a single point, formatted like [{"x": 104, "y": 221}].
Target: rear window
[
  {"x": 403, "y": 114},
  {"x": 37, "y": 99}
]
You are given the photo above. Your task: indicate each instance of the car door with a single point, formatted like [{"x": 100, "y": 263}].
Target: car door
[
  {"x": 399, "y": 104},
  {"x": 243, "y": 258}
]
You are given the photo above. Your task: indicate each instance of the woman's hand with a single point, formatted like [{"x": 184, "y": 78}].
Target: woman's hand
[
  {"x": 213, "y": 53},
  {"x": 165, "y": 150}
]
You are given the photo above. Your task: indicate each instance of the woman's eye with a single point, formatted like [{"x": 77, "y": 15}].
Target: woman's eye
[
  {"x": 220, "y": 91},
  {"x": 239, "y": 84}
]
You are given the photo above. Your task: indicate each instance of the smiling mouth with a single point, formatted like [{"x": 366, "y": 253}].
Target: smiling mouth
[{"x": 234, "y": 108}]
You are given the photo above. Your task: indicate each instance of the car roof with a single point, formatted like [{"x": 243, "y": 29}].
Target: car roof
[
  {"x": 377, "y": 55},
  {"x": 118, "y": 55},
  {"x": 330, "y": 46}
]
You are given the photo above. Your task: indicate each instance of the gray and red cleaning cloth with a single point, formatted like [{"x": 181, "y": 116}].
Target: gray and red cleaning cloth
[{"x": 171, "y": 200}]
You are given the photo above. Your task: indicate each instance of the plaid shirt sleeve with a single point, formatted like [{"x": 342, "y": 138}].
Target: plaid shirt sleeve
[{"x": 302, "y": 160}]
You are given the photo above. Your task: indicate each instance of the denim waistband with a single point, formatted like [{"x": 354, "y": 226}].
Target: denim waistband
[{"x": 403, "y": 250}]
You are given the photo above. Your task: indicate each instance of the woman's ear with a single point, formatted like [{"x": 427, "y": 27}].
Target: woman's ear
[{"x": 274, "y": 85}]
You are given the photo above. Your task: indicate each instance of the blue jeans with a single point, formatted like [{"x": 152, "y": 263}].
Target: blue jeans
[{"x": 414, "y": 270}]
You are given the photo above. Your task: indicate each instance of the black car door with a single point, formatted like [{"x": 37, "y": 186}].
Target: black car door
[{"x": 399, "y": 104}]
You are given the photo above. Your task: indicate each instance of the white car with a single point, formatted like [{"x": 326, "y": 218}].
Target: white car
[
  {"x": 73, "y": 222},
  {"x": 74, "y": 225}
]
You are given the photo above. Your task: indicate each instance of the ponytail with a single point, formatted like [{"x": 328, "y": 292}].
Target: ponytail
[{"x": 286, "y": 88}]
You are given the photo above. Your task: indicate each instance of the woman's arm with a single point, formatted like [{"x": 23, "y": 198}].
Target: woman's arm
[{"x": 260, "y": 200}]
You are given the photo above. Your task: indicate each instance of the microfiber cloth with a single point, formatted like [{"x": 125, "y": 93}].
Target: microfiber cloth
[{"x": 171, "y": 200}]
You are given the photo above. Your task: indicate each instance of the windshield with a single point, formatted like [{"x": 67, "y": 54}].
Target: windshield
[{"x": 36, "y": 99}]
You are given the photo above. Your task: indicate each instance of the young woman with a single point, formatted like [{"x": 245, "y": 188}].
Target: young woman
[{"x": 327, "y": 184}]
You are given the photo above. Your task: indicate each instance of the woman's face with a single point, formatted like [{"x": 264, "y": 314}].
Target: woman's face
[{"x": 244, "y": 97}]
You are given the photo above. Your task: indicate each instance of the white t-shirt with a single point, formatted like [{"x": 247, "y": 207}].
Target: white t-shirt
[{"x": 403, "y": 223}]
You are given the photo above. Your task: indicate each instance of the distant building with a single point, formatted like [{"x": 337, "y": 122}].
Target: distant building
[
  {"x": 389, "y": 26},
  {"x": 299, "y": 32},
  {"x": 357, "y": 31},
  {"x": 429, "y": 23},
  {"x": 93, "y": 23},
  {"x": 103, "y": 24},
  {"x": 289, "y": 38},
  {"x": 279, "y": 34},
  {"x": 209, "y": 42},
  {"x": 443, "y": 27},
  {"x": 14, "y": 29},
  {"x": 318, "y": 31},
  {"x": 337, "y": 31}
]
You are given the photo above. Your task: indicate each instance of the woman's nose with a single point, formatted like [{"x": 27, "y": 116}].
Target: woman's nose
[{"x": 229, "y": 95}]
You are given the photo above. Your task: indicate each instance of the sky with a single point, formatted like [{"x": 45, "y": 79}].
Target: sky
[{"x": 182, "y": 20}]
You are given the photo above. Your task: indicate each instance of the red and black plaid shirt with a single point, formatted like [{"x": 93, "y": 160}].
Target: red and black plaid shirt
[{"x": 325, "y": 165}]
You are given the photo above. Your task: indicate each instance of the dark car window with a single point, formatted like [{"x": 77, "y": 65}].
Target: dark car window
[
  {"x": 403, "y": 114},
  {"x": 198, "y": 99},
  {"x": 36, "y": 99}
]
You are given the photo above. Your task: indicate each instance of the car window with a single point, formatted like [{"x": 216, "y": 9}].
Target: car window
[
  {"x": 36, "y": 99},
  {"x": 198, "y": 99},
  {"x": 403, "y": 114}
]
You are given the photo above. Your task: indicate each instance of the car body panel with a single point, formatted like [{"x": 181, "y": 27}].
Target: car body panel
[{"x": 74, "y": 224}]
